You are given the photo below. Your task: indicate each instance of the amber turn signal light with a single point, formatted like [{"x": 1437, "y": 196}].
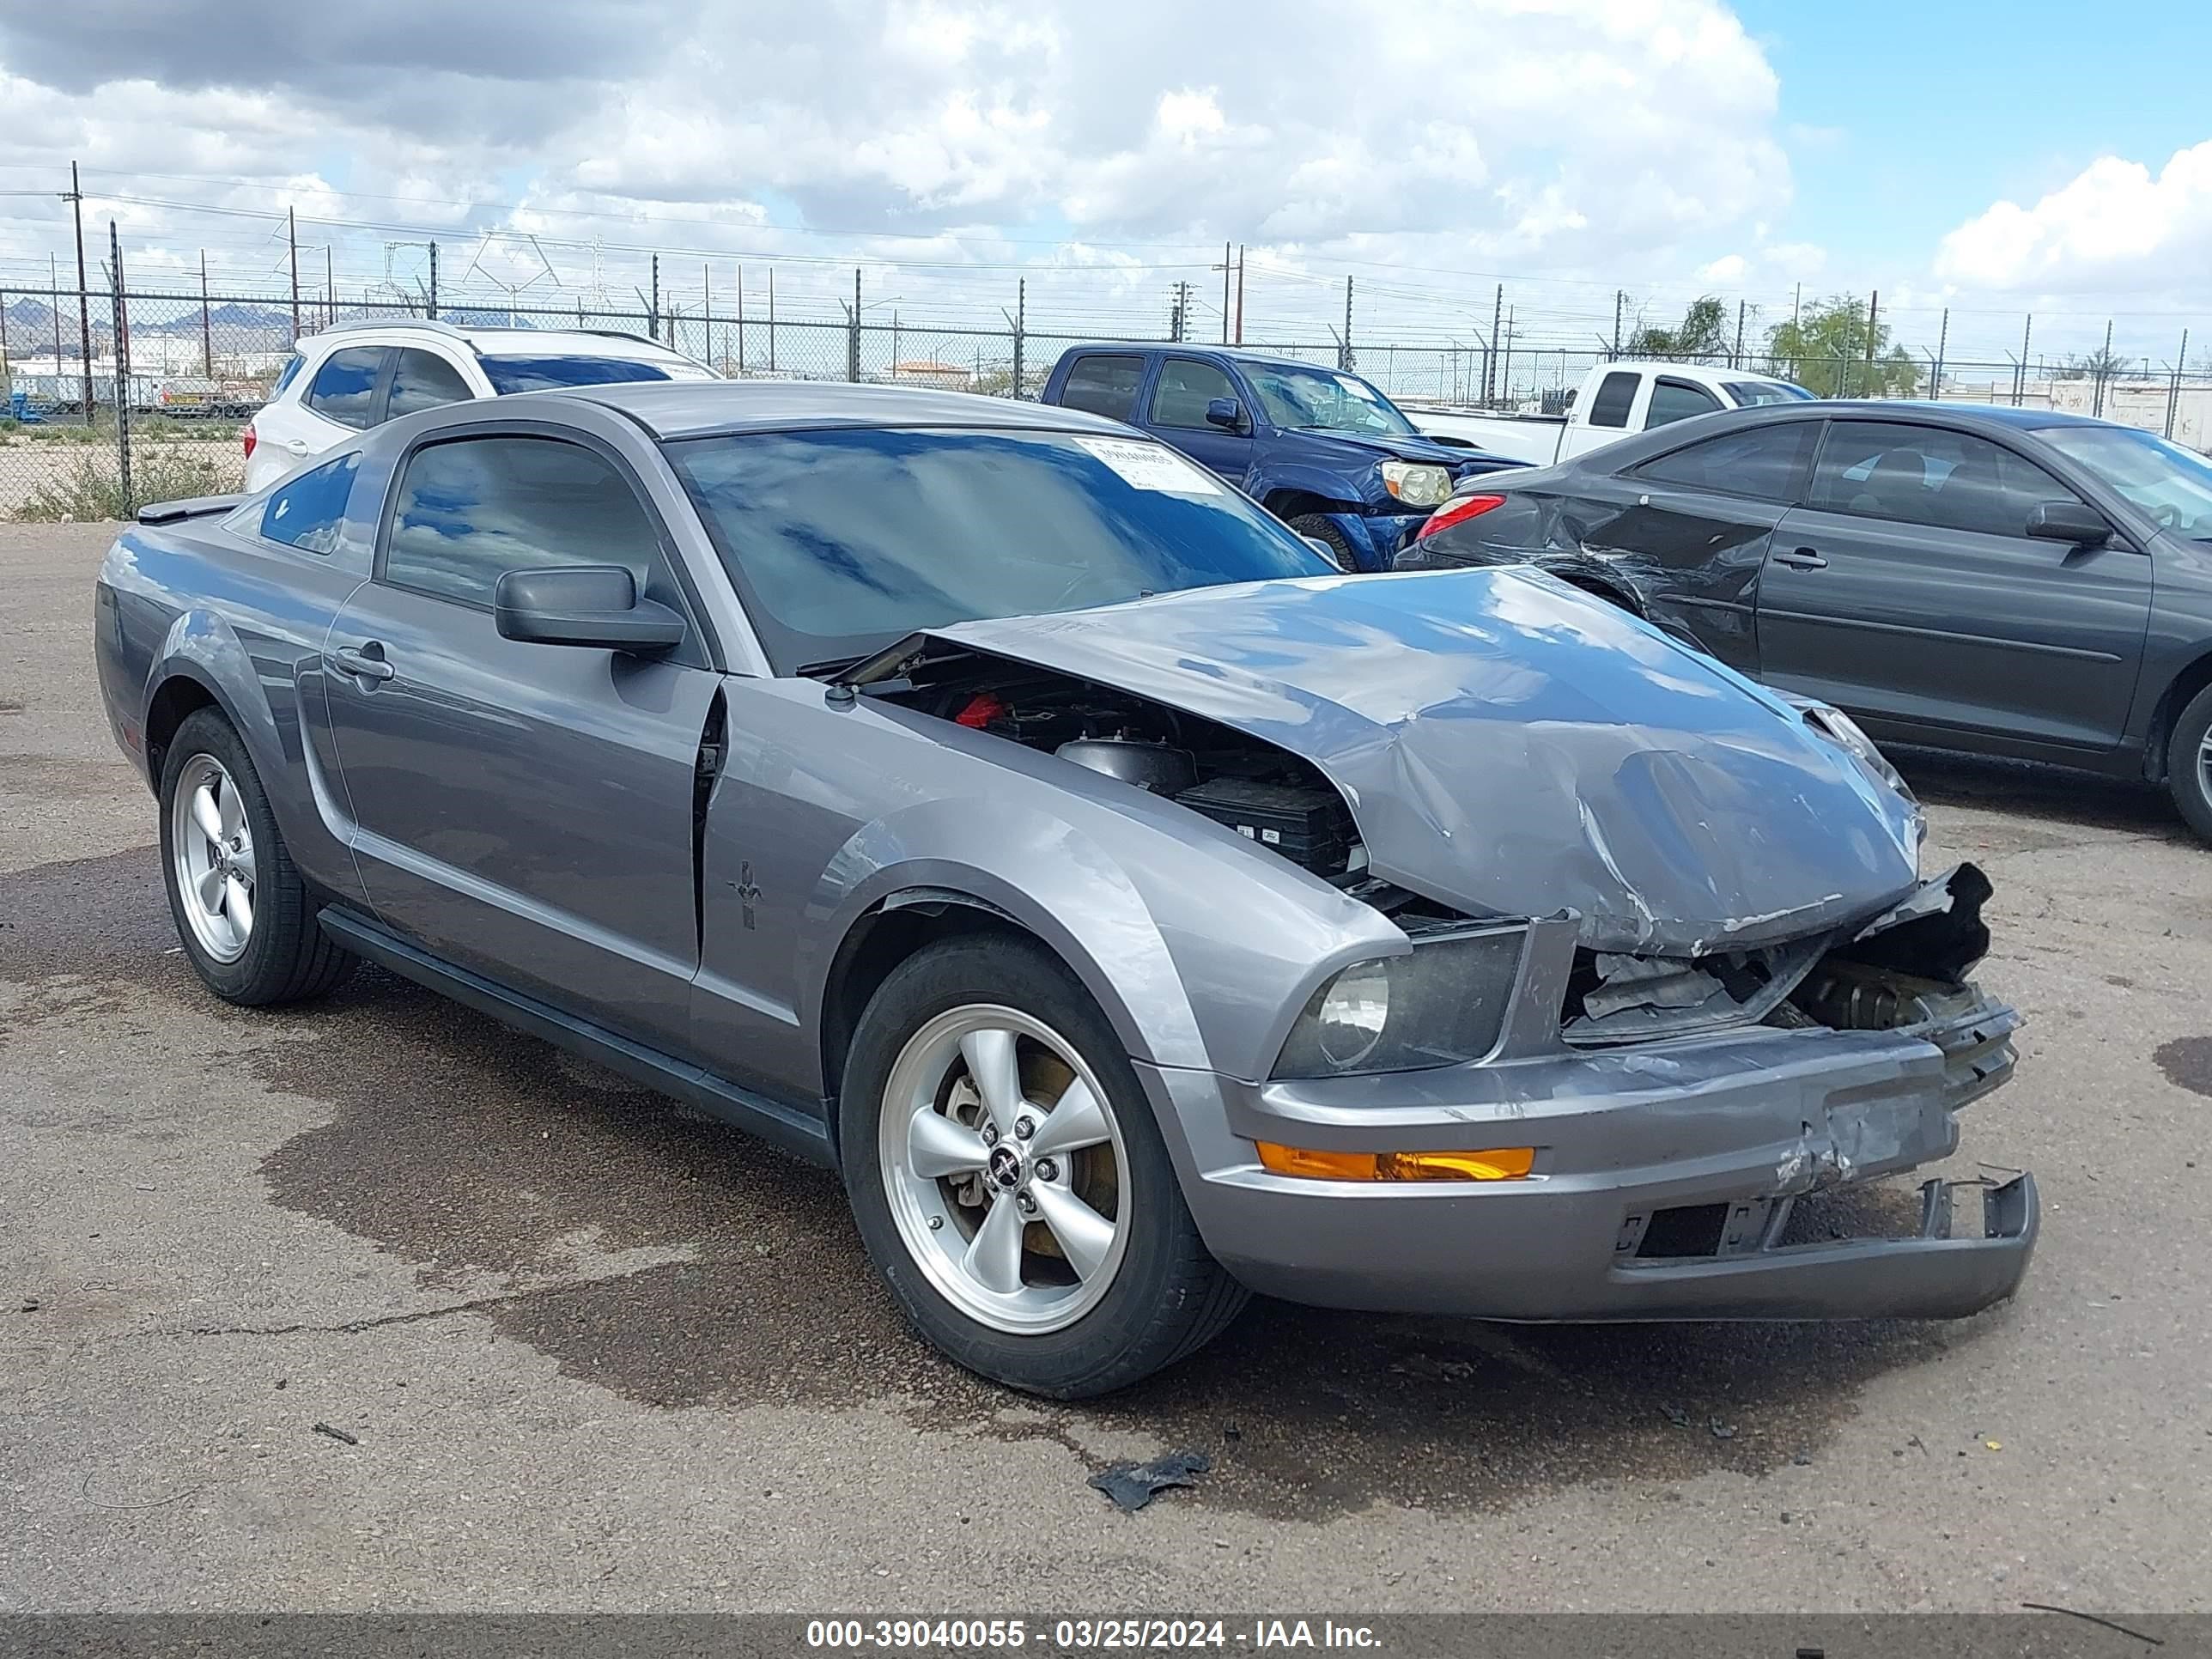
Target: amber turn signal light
[{"x": 1499, "y": 1164}]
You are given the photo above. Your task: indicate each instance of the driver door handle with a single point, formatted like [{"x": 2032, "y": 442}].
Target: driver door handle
[
  {"x": 355, "y": 661},
  {"x": 1803, "y": 558}
]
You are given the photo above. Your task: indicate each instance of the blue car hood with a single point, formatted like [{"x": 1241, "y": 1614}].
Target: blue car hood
[
  {"x": 1410, "y": 448},
  {"x": 1510, "y": 746}
]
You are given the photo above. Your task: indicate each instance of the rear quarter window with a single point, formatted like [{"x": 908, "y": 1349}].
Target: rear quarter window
[
  {"x": 309, "y": 512},
  {"x": 1104, "y": 383},
  {"x": 511, "y": 374}
]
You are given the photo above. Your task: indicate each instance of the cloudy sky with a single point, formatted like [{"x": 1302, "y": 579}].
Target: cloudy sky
[{"x": 1427, "y": 149}]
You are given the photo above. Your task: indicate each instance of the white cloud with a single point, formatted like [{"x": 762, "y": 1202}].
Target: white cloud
[
  {"x": 1727, "y": 270},
  {"x": 2114, "y": 226}
]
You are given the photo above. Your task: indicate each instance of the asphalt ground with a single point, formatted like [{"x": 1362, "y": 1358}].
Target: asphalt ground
[{"x": 593, "y": 1353}]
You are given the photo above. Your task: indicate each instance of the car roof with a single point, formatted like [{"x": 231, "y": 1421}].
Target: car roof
[
  {"x": 510, "y": 342},
  {"x": 695, "y": 408},
  {"x": 1950, "y": 414},
  {"x": 1197, "y": 349}
]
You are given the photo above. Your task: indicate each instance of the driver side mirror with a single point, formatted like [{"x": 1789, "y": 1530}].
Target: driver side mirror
[
  {"x": 595, "y": 605},
  {"x": 2072, "y": 522},
  {"x": 1226, "y": 412}
]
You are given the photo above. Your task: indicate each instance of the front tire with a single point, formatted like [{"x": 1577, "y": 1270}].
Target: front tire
[
  {"x": 246, "y": 918},
  {"x": 1317, "y": 525},
  {"x": 2189, "y": 763},
  {"x": 1009, "y": 1182}
]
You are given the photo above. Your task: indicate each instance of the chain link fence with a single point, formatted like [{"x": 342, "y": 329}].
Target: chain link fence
[{"x": 113, "y": 401}]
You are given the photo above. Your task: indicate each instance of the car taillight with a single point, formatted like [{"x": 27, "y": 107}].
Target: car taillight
[
  {"x": 1457, "y": 512},
  {"x": 249, "y": 439}
]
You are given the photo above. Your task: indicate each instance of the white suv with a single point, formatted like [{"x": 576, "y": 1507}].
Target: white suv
[{"x": 361, "y": 374}]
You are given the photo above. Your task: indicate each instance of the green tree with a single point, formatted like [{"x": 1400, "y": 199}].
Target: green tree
[
  {"x": 1828, "y": 350},
  {"x": 1702, "y": 332}
]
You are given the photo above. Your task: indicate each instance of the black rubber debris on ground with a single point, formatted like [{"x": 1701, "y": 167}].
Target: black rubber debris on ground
[{"x": 1133, "y": 1485}]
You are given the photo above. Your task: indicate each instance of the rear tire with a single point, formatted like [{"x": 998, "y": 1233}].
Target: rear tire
[
  {"x": 1318, "y": 526},
  {"x": 1028, "y": 1220},
  {"x": 2189, "y": 763},
  {"x": 246, "y": 918}
]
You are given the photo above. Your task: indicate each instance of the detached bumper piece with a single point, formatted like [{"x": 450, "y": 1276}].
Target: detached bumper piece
[{"x": 1742, "y": 1274}]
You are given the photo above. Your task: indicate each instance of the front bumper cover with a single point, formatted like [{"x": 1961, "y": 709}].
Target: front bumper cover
[{"x": 1728, "y": 1131}]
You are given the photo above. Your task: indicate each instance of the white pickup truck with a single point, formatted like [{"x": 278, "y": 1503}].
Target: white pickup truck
[{"x": 1614, "y": 401}]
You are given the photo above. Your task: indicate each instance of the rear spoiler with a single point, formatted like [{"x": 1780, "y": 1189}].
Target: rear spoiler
[{"x": 196, "y": 506}]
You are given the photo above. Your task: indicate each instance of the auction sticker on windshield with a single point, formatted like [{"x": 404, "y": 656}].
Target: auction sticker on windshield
[{"x": 1150, "y": 466}]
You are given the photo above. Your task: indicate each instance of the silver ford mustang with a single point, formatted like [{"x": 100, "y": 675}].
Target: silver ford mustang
[{"x": 988, "y": 803}]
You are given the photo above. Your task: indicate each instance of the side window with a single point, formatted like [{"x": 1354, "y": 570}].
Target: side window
[
  {"x": 423, "y": 379},
  {"x": 344, "y": 388},
  {"x": 1926, "y": 475},
  {"x": 1104, "y": 386},
  {"x": 471, "y": 510},
  {"x": 1185, "y": 388},
  {"x": 308, "y": 512},
  {"x": 1678, "y": 400},
  {"x": 1616, "y": 395},
  {"x": 291, "y": 373},
  {"x": 1766, "y": 462}
]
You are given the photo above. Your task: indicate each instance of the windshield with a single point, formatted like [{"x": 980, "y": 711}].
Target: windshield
[
  {"x": 541, "y": 374},
  {"x": 1748, "y": 392},
  {"x": 1299, "y": 399},
  {"x": 2171, "y": 483},
  {"x": 842, "y": 542}
]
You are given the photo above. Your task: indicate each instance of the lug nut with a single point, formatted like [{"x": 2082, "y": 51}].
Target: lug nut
[
  {"x": 1046, "y": 1170},
  {"x": 1027, "y": 1204},
  {"x": 936, "y": 1224},
  {"x": 1024, "y": 1128},
  {"x": 990, "y": 1134}
]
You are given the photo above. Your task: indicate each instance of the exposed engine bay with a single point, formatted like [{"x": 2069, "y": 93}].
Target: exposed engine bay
[{"x": 1903, "y": 969}]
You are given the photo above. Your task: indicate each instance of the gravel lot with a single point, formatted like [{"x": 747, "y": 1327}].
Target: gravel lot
[{"x": 598, "y": 1354}]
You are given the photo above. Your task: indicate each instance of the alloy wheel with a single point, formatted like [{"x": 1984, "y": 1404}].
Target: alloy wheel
[
  {"x": 1004, "y": 1167},
  {"x": 211, "y": 848}
]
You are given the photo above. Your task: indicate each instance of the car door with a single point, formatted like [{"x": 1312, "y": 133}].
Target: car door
[
  {"x": 524, "y": 810},
  {"x": 345, "y": 396},
  {"x": 1104, "y": 383},
  {"x": 1607, "y": 418},
  {"x": 422, "y": 379},
  {"x": 1182, "y": 393},
  {"x": 1694, "y": 527},
  {"x": 1906, "y": 589}
]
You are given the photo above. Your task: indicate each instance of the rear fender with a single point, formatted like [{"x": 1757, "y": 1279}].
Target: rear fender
[{"x": 201, "y": 647}]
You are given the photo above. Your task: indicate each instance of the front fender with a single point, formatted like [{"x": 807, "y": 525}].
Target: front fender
[{"x": 1042, "y": 872}]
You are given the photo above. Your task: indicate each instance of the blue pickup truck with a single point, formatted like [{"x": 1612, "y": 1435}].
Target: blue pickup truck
[{"x": 1320, "y": 448}]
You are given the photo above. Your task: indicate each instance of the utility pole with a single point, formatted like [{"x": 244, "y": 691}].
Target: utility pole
[
  {"x": 1224, "y": 268},
  {"x": 1350, "y": 356},
  {"x": 292, "y": 242},
  {"x": 653, "y": 305},
  {"x": 2173, "y": 385},
  {"x": 741, "y": 322},
  {"x": 122, "y": 372},
  {"x": 2020, "y": 375},
  {"x": 1178, "y": 309},
  {"x": 207, "y": 327},
  {"x": 1489, "y": 357},
  {"x": 84, "y": 300},
  {"x": 771, "y": 319},
  {"x": 1735, "y": 357},
  {"x": 1505, "y": 357},
  {"x": 1873, "y": 313},
  {"x": 1020, "y": 322},
  {"x": 1942, "y": 349},
  {"x": 330, "y": 290},
  {"x": 2104, "y": 369},
  {"x": 1620, "y": 299},
  {"x": 1240, "y": 293},
  {"x": 853, "y": 348},
  {"x": 432, "y": 308}
]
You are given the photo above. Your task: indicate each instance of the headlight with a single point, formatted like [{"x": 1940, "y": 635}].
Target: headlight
[
  {"x": 1415, "y": 483},
  {"x": 1844, "y": 732},
  {"x": 1443, "y": 1004}
]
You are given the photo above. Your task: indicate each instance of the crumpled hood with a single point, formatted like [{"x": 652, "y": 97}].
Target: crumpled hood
[
  {"x": 1382, "y": 446},
  {"x": 1510, "y": 746}
]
